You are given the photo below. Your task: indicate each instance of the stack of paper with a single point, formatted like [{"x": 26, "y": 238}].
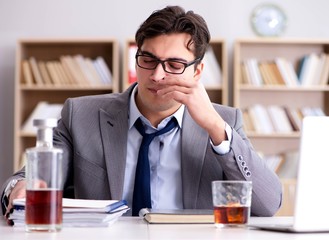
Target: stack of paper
[{"x": 79, "y": 212}]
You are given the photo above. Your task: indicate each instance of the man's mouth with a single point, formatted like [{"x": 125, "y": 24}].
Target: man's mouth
[{"x": 153, "y": 90}]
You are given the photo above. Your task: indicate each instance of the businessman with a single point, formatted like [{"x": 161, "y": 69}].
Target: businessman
[{"x": 192, "y": 143}]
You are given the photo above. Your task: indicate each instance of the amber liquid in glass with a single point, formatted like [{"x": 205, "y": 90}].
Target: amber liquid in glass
[
  {"x": 43, "y": 208},
  {"x": 231, "y": 215}
]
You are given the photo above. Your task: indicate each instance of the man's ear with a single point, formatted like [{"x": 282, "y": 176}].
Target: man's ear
[{"x": 198, "y": 71}]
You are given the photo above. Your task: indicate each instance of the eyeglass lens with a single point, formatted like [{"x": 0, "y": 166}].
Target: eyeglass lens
[{"x": 151, "y": 63}]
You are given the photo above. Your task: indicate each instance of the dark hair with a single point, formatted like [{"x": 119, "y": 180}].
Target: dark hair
[{"x": 174, "y": 19}]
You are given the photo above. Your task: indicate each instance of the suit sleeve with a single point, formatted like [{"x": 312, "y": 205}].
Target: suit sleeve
[
  {"x": 243, "y": 163},
  {"x": 62, "y": 139},
  {"x": 4, "y": 200}
]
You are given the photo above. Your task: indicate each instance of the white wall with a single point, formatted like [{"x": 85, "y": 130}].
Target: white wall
[{"x": 228, "y": 19}]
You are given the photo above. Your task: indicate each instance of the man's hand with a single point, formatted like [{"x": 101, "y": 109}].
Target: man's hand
[
  {"x": 19, "y": 191},
  {"x": 193, "y": 95}
]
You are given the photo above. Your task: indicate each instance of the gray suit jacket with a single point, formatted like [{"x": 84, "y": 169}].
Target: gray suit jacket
[{"x": 93, "y": 133}]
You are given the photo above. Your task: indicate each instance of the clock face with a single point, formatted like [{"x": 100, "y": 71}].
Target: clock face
[{"x": 268, "y": 20}]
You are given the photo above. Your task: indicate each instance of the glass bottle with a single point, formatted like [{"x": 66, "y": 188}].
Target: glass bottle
[{"x": 44, "y": 191}]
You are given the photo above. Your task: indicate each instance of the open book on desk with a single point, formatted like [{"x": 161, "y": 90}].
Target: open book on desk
[
  {"x": 79, "y": 212},
  {"x": 177, "y": 215}
]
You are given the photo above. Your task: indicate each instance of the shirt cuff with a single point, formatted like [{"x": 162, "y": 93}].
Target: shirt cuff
[
  {"x": 225, "y": 146},
  {"x": 9, "y": 188}
]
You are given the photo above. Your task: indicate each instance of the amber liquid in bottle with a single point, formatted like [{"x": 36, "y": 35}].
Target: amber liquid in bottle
[{"x": 43, "y": 209}]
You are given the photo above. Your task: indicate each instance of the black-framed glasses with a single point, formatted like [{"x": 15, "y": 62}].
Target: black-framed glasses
[{"x": 169, "y": 65}]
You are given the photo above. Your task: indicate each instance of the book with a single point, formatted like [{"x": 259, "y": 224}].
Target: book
[
  {"x": 212, "y": 74},
  {"x": 71, "y": 67},
  {"x": 177, "y": 215},
  {"x": 292, "y": 73},
  {"x": 84, "y": 70},
  {"x": 67, "y": 71},
  {"x": 44, "y": 73},
  {"x": 274, "y": 161},
  {"x": 131, "y": 63},
  {"x": 70, "y": 63},
  {"x": 96, "y": 77},
  {"x": 261, "y": 119},
  {"x": 285, "y": 68},
  {"x": 55, "y": 78},
  {"x": 255, "y": 75},
  {"x": 279, "y": 119},
  {"x": 245, "y": 74},
  {"x": 104, "y": 70},
  {"x": 289, "y": 166},
  {"x": 83, "y": 205},
  {"x": 266, "y": 73},
  {"x": 309, "y": 69},
  {"x": 248, "y": 123},
  {"x": 294, "y": 120},
  {"x": 27, "y": 73},
  {"x": 79, "y": 212},
  {"x": 42, "y": 110},
  {"x": 318, "y": 69},
  {"x": 276, "y": 74},
  {"x": 35, "y": 71},
  {"x": 325, "y": 71},
  {"x": 63, "y": 78}
]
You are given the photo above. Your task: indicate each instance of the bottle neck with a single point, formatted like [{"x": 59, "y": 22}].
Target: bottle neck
[{"x": 45, "y": 137}]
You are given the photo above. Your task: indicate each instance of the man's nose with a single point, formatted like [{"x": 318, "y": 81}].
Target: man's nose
[{"x": 158, "y": 73}]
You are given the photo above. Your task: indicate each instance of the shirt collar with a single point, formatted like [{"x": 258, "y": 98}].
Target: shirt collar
[{"x": 134, "y": 113}]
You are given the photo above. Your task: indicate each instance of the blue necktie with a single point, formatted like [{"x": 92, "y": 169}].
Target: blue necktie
[{"x": 142, "y": 189}]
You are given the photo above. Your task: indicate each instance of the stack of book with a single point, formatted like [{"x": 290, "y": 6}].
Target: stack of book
[
  {"x": 311, "y": 70},
  {"x": 212, "y": 73},
  {"x": 78, "y": 212},
  {"x": 276, "y": 119},
  {"x": 42, "y": 110},
  {"x": 67, "y": 70}
]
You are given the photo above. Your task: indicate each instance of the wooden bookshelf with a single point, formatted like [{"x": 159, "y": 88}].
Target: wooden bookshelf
[
  {"x": 283, "y": 95},
  {"x": 247, "y": 95},
  {"x": 27, "y": 96},
  {"x": 218, "y": 93}
]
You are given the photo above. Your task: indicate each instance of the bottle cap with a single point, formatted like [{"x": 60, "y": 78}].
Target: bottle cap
[{"x": 48, "y": 122}]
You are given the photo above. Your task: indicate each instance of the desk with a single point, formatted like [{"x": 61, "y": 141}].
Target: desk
[{"x": 136, "y": 228}]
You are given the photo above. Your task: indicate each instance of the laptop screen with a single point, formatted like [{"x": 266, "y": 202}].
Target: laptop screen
[{"x": 312, "y": 193}]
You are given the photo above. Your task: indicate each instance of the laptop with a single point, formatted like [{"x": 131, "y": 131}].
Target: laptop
[{"x": 311, "y": 211}]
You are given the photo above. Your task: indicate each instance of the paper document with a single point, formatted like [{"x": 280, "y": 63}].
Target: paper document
[{"x": 79, "y": 212}]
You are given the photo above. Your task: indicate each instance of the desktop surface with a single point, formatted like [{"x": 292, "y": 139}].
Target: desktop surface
[{"x": 137, "y": 228}]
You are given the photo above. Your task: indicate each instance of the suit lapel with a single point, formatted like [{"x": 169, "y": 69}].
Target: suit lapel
[
  {"x": 114, "y": 127},
  {"x": 114, "y": 138},
  {"x": 194, "y": 144}
]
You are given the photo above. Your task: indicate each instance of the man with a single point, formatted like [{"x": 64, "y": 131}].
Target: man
[{"x": 101, "y": 137}]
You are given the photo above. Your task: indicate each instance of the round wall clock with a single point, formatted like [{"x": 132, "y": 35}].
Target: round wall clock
[{"x": 268, "y": 20}]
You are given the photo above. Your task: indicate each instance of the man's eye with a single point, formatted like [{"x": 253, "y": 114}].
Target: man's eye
[
  {"x": 149, "y": 60},
  {"x": 176, "y": 65}
]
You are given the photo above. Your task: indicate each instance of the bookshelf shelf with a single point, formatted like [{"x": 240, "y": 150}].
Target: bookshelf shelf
[
  {"x": 284, "y": 88},
  {"x": 29, "y": 94},
  {"x": 66, "y": 88},
  {"x": 218, "y": 93},
  {"x": 284, "y": 97},
  {"x": 250, "y": 56},
  {"x": 276, "y": 136}
]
